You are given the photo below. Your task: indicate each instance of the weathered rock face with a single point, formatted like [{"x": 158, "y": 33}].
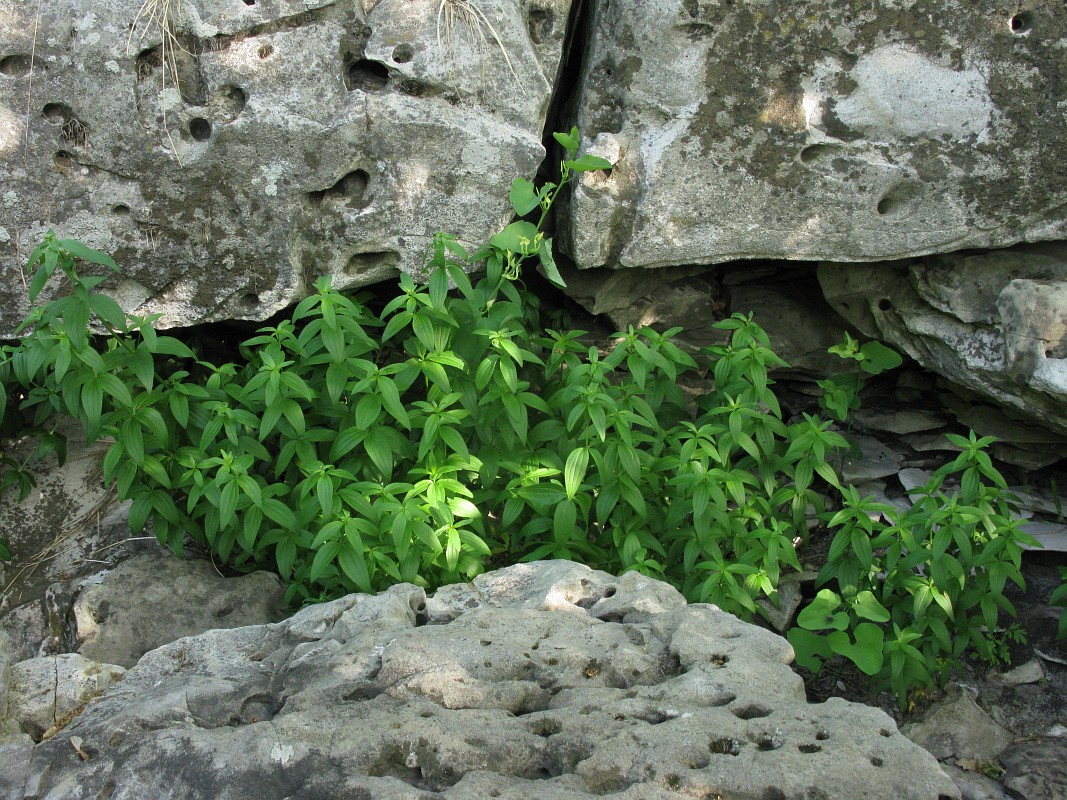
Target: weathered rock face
[
  {"x": 547, "y": 680},
  {"x": 995, "y": 323},
  {"x": 228, "y": 164},
  {"x": 845, "y": 131}
]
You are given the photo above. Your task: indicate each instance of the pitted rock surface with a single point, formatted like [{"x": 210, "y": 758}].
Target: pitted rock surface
[
  {"x": 230, "y": 161},
  {"x": 845, "y": 131},
  {"x": 547, "y": 680}
]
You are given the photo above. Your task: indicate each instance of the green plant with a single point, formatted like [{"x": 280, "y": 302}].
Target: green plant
[
  {"x": 1059, "y": 598},
  {"x": 349, "y": 449},
  {"x": 841, "y": 392},
  {"x": 935, "y": 572}
]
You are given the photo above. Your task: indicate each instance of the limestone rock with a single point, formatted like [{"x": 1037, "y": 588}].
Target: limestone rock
[
  {"x": 231, "y": 157},
  {"x": 994, "y": 323},
  {"x": 1036, "y": 770},
  {"x": 957, "y": 728},
  {"x": 550, "y": 680},
  {"x": 46, "y": 693},
  {"x": 845, "y": 131},
  {"x": 67, "y": 527},
  {"x": 154, "y": 598}
]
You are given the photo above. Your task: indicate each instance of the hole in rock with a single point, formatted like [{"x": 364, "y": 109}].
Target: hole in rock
[
  {"x": 766, "y": 742},
  {"x": 229, "y": 102},
  {"x": 378, "y": 265},
  {"x": 147, "y": 61},
  {"x": 822, "y": 736},
  {"x": 545, "y": 727},
  {"x": 719, "y": 660},
  {"x": 816, "y": 152},
  {"x": 350, "y": 188},
  {"x": 485, "y": 642},
  {"x": 877, "y": 761},
  {"x": 250, "y": 299},
  {"x": 56, "y": 113},
  {"x": 366, "y": 75},
  {"x": 751, "y": 711},
  {"x": 1020, "y": 23},
  {"x": 885, "y": 304},
  {"x": 121, "y": 210},
  {"x": 610, "y": 591},
  {"x": 887, "y": 205},
  {"x": 540, "y": 23},
  {"x": 725, "y": 700},
  {"x": 772, "y": 793},
  {"x": 725, "y": 746},
  {"x": 809, "y": 748},
  {"x": 16, "y": 65},
  {"x": 200, "y": 129},
  {"x": 885, "y": 732},
  {"x": 653, "y": 716},
  {"x": 63, "y": 160},
  {"x": 265, "y": 51},
  {"x": 249, "y": 2},
  {"x": 403, "y": 53}
]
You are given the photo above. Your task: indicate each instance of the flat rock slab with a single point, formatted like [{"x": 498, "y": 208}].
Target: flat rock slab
[
  {"x": 154, "y": 598},
  {"x": 547, "y": 680},
  {"x": 830, "y": 129}
]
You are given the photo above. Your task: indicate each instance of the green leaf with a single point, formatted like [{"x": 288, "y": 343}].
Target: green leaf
[
  {"x": 516, "y": 237},
  {"x": 822, "y": 613},
  {"x": 878, "y": 358},
  {"x": 523, "y": 196},
  {"x": 569, "y": 141},
  {"x": 810, "y": 648},
  {"x": 866, "y": 652},
  {"x": 108, "y": 310},
  {"x": 575, "y": 469},
  {"x": 548, "y": 264},
  {"x": 79, "y": 250},
  {"x": 323, "y": 558},
  {"x": 589, "y": 163},
  {"x": 867, "y": 606}
]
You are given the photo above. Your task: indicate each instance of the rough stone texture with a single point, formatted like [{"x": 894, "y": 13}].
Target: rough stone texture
[
  {"x": 154, "y": 598},
  {"x": 67, "y": 527},
  {"x": 995, "y": 323},
  {"x": 550, "y": 680},
  {"x": 1036, "y": 770},
  {"x": 846, "y": 131},
  {"x": 957, "y": 728},
  {"x": 974, "y": 785},
  {"x": 301, "y": 139},
  {"x": 45, "y": 693}
]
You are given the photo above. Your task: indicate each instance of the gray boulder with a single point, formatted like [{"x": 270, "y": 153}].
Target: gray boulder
[
  {"x": 229, "y": 154},
  {"x": 845, "y": 131},
  {"x": 550, "y": 680},
  {"x": 154, "y": 599},
  {"x": 994, "y": 323}
]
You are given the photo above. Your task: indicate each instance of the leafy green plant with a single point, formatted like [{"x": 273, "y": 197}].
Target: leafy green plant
[
  {"x": 1059, "y": 598},
  {"x": 349, "y": 449},
  {"x": 841, "y": 392},
  {"x": 935, "y": 572}
]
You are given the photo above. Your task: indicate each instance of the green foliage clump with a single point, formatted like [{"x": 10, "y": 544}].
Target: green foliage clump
[{"x": 451, "y": 432}]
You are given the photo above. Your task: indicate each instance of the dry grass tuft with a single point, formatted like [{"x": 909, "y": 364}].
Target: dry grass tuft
[
  {"x": 159, "y": 15},
  {"x": 466, "y": 13}
]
